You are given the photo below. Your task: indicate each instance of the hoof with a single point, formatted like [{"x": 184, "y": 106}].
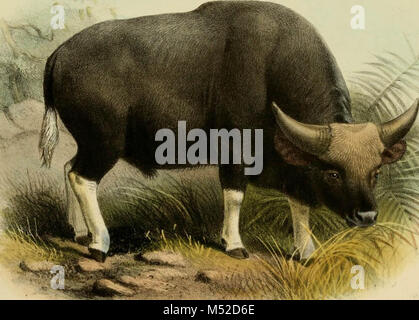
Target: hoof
[
  {"x": 297, "y": 258},
  {"x": 238, "y": 253},
  {"x": 97, "y": 255},
  {"x": 83, "y": 240}
]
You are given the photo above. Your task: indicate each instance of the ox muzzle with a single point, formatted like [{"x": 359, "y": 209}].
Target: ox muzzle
[{"x": 362, "y": 219}]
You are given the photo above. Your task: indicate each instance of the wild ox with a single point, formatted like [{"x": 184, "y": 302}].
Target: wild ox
[{"x": 223, "y": 65}]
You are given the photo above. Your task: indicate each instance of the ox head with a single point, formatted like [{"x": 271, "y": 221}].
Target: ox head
[{"x": 344, "y": 159}]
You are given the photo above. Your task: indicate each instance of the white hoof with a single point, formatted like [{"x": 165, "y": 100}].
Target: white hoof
[{"x": 101, "y": 242}]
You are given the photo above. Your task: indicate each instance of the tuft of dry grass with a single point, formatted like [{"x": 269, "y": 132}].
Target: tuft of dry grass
[
  {"x": 327, "y": 274},
  {"x": 329, "y": 271},
  {"x": 18, "y": 245}
]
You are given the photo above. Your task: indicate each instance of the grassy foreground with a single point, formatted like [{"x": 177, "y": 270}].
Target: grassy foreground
[{"x": 186, "y": 215}]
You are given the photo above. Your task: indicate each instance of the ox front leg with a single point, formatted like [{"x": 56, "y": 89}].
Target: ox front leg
[
  {"x": 231, "y": 235},
  {"x": 86, "y": 192},
  {"x": 300, "y": 221}
]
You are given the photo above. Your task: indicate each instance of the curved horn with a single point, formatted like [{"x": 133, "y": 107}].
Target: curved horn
[
  {"x": 314, "y": 139},
  {"x": 393, "y": 131}
]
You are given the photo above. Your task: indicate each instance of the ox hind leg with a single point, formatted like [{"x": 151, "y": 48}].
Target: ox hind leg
[
  {"x": 74, "y": 214},
  {"x": 303, "y": 243},
  {"x": 233, "y": 184},
  {"x": 84, "y": 177}
]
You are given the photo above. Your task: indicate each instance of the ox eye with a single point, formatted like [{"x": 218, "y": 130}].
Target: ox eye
[
  {"x": 334, "y": 175},
  {"x": 377, "y": 174}
]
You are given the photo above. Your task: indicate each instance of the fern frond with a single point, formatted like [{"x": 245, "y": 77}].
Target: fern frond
[
  {"x": 378, "y": 95},
  {"x": 392, "y": 81}
]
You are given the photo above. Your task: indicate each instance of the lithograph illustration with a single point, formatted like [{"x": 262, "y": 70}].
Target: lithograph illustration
[{"x": 209, "y": 150}]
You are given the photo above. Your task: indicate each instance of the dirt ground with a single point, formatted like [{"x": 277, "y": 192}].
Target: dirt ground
[{"x": 158, "y": 275}]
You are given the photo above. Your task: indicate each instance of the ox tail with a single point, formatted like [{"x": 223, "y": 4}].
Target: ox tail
[{"x": 49, "y": 131}]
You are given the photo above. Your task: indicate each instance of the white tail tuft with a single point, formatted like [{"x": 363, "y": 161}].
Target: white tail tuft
[{"x": 49, "y": 136}]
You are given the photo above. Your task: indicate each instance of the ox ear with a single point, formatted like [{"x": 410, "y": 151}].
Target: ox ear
[
  {"x": 290, "y": 153},
  {"x": 394, "y": 153}
]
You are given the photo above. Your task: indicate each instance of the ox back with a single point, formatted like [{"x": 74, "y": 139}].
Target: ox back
[{"x": 117, "y": 83}]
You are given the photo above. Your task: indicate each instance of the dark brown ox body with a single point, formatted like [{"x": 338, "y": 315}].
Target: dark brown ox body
[{"x": 222, "y": 65}]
